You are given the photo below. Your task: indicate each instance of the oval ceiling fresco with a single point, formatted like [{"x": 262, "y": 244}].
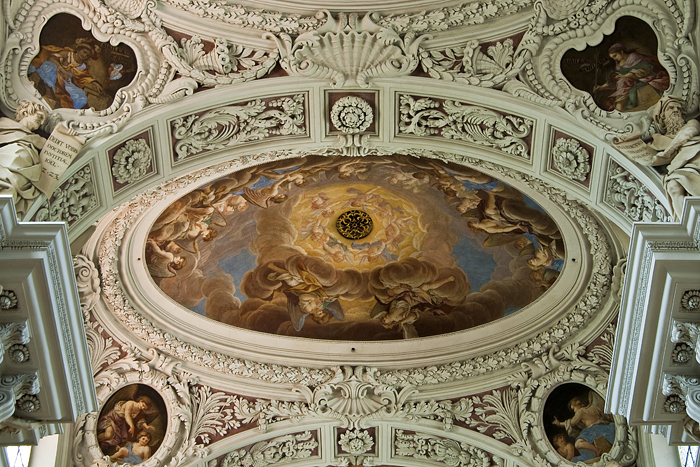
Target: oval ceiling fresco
[{"x": 340, "y": 248}]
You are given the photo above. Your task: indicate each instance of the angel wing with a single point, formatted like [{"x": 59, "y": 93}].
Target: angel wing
[
  {"x": 296, "y": 315},
  {"x": 379, "y": 309},
  {"x": 187, "y": 244},
  {"x": 217, "y": 218},
  {"x": 127, "y": 393},
  {"x": 256, "y": 197},
  {"x": 409, "y": 331},
  {"x": 336, "y": 309}
]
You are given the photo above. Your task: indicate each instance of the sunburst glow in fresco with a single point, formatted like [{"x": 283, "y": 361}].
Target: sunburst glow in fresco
[{"x": 430, "y": 248}]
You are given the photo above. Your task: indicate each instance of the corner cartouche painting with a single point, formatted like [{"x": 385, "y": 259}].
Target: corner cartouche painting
[
  {"x": 576, "y": 425},
  {"x": 74, "y": 71},
  {"x": 132, "y": 424},
  {"x": 340, "y": 248},
  {"x": 621, "y": 73}
]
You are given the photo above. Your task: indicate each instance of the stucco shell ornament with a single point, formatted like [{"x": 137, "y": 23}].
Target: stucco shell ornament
[
  {"x": 352, "y": 115},
  {"x": 560, "y": 9}
]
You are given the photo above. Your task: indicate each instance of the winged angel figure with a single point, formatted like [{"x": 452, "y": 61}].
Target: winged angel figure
[{"x": 305, "y": 294}]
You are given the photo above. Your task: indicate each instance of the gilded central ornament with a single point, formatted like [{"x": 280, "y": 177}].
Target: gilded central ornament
[{"x": 354, "y": 224}]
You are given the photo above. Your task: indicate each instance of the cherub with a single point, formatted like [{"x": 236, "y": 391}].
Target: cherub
[
  {"x": 120, "y": 424},
  {"x": 371, "y": 251},
  {"x": 318, "y": 201},
  {"x": 230, "y": 204},
  {"x": 363, "y": 199},
  {"x": 468, "y": 202},
  {"x": 403, "y": 309},
  {"x": 542, "y": 257},
  {"x": 398, "y": 314},
  {"x": 319, "y": 234},
  {"x": 336, "y": 250},
  {"x": 415, "y": 182},
  {"x": 590, "y": 425},
  {"x": 348, "y": 169},
  {"x": 164, "y": 262},
  {"x": 263, "y": 197},
  {"x": 135, "y": 453},
  {"x": 564, "y": 446}
]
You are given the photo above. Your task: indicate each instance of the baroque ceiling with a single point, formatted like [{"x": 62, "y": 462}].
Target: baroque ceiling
[{"x": 383, "y": 233}]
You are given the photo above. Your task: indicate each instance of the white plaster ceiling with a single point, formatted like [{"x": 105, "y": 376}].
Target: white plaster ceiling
[{"x": 593, "y": 212}]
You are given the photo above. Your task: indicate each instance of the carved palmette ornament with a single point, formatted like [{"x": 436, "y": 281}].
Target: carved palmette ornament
[
  {"x": 560, "y": 9},
  {"x": 8, "y": 299}
]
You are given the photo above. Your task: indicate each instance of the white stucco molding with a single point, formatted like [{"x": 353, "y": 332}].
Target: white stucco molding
[
  {"x": 663, "y": 266},
  {"x": 46, "y": 366}
]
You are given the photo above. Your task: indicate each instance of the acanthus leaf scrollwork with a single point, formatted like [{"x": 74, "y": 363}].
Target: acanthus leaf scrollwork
[
  {"x": 353, "y": 397},
  {"x": 469, "y": 64},
  {"x": 233, "y": 124},
  {"x": 213, "y": 413},
  {"x": 225, "y": 64},
  {"x": 277, "y": 450},
  {"x": 72, "y": 200},
  {"x": 629, "y": 195},
  {"x": 470, "y": 123},
  {"x": 442, "y": 450}
]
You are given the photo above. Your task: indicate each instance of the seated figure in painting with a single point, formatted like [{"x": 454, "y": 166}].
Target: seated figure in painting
[
  {"x": 638, "y": 82},
  {"x": 119, "y": 425},
  {"x": 20, "y": 165},
  {"x": 593, "y": 429},
  {"x": 62, "y": 76}
]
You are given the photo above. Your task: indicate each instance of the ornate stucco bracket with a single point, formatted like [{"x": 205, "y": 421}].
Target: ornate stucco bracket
[
  {"x": 652, "y": 378},
  {"x": 42, "y": 351},
  {"x": 688, "y": 388}
]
